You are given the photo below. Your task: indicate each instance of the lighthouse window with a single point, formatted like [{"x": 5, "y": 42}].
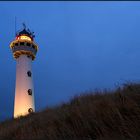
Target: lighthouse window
[
  {"x": 28, "y": 44},
  {"x": 30, "y": 110},
  {"x": 29, "y": 92},
  {"x": 21, "y": 43},
  {"x": 29, "y": 73},
  {"x": 16, "y": 44}
]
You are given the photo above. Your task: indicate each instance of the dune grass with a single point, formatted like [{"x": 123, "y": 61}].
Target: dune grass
[{"x": 104, "y": 115}]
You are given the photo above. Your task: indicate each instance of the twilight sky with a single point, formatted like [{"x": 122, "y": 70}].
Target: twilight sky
[{"x": 82, "y": 46}]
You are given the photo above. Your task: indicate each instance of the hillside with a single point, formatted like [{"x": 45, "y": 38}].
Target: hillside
[{"x": 105, "y": 115}]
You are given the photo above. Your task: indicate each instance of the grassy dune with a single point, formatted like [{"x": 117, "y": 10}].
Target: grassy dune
[{"x": 108, "y": 115}]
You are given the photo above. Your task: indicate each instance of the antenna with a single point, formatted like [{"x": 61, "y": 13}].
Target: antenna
[{"x": 24, "y": 26}]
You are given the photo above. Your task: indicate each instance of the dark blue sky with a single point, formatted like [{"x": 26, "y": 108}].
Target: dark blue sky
[{"x": 82, "y": 46}]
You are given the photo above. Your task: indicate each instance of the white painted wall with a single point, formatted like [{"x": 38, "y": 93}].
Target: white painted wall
[{"x": 23, "y": 101}]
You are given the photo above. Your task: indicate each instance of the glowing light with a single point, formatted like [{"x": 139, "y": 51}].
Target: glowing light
[{"x": 23, "y": 37}]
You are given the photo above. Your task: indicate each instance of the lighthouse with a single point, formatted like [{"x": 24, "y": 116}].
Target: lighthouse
[{"x": 24, "y": 51}]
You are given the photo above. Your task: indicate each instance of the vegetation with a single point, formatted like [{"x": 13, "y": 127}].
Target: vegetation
[{"x": 104, "y": 115}]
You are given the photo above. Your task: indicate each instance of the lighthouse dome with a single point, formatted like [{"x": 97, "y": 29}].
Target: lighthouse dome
[{"x": 24, "y": 32}]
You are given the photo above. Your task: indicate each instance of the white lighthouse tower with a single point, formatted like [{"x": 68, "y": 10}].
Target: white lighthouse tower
[{"x": 24, "y": 51}]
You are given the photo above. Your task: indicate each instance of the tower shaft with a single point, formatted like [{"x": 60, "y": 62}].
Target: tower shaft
[
  {"x": 24, "y": 92},
  {"x": 24, "y": 51}
]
